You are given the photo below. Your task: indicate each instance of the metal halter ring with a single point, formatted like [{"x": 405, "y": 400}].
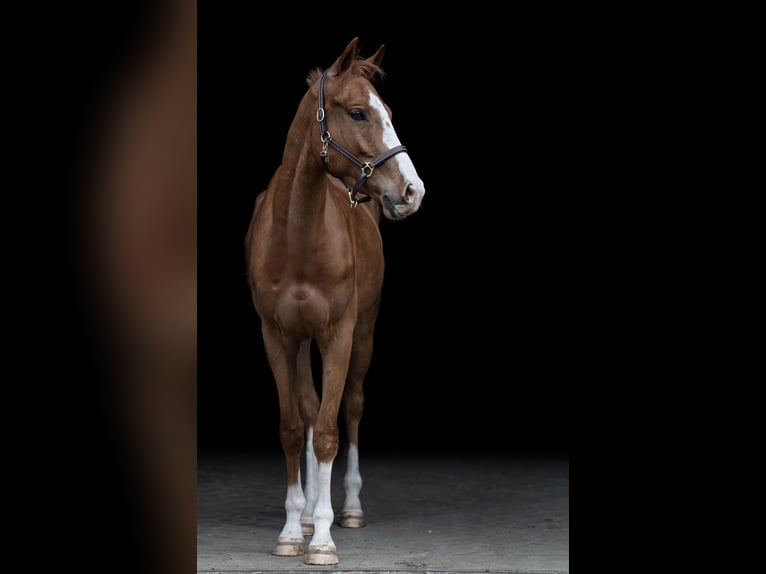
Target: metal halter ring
[{"x": 369, "y": 169}]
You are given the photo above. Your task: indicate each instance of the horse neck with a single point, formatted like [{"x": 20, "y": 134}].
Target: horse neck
[{"x": 301, "y": 188}]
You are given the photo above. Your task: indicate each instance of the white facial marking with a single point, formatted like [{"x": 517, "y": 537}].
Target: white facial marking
[
  {"x": 352, "y": 481},
  {"x": 323, "y": 514},
  {"x": 294, "y": 503},
  {"x": 390, "y": 139}
]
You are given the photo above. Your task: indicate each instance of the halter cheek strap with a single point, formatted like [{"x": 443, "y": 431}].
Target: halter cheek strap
[{"x": 366, "y": 167}]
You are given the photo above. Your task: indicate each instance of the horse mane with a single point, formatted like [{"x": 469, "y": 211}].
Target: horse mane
[{"x": 359, "y": 67}]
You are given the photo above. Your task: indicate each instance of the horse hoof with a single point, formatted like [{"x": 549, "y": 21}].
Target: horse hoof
[
  {"x": 307, "y": 525},
  {"x": 352, "y": 519},
  {"x": 321, "y": 555},
  {"x": 288, "y": 547}
]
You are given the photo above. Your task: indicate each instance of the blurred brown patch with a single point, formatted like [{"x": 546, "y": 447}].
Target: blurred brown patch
[{"x": 145, "y": 246}]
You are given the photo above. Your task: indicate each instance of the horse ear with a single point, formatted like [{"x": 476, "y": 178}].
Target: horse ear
[
  {"x": 377, "y": 57},
  {"x": 346, "y": 58}
]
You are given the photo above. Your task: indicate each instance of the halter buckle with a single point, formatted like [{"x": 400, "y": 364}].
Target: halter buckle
[
  {"x": 352, "y": 199},
  {"x": 367, "y": 169},
  {"x": 320, "y": 115},
  {"x": 325, "y": 137}
]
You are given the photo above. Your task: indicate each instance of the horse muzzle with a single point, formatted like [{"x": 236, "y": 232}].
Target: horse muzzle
[{"x": 407, "y": 204}]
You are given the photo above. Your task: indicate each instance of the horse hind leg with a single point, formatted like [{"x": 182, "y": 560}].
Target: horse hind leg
[
  {"x": 351, "y": 515},
  {"x": 312, "y": 468},
  {"x": 309, "y": 408}
]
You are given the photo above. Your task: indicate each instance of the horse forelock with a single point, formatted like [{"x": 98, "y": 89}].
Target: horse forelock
[
  {"x": 367, "y": 69},
  {"x": 359, "y": 67}
]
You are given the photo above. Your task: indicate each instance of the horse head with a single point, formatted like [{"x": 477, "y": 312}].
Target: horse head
[{"x": 358, "y": 137}]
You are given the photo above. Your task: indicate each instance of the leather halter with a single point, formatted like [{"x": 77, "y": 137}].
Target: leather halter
[{"x": 366, "y": 167}]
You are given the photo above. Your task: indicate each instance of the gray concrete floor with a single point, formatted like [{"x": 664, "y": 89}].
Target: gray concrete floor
[{"x": 445, "y": 514}]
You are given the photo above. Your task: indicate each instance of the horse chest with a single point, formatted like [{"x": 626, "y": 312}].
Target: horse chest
[
  {"x": 305, "y": 292},
  {"x": 304, "y": 308}
]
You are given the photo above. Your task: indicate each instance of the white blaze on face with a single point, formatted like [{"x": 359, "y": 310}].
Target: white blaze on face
[{"x": 390, "y": 139}]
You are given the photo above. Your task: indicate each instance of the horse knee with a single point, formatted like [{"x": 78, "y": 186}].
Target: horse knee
[
  {"x": 291, "y": 437},
  {"x": 325, "y": 444}
]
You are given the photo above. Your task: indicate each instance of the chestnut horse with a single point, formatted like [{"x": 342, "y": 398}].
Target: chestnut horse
[{"x": 315, "y": 269}]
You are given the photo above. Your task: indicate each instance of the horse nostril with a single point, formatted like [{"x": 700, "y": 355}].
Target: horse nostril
[{"x": 409, "y": 194}]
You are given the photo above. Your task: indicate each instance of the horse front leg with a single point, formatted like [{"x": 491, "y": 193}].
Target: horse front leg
[
  {"x": 335, "y": 347},
  {"x": 282, "y": 358}
]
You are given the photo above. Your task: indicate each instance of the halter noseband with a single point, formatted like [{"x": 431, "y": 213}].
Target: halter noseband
[{"x": 366, "y": 167}]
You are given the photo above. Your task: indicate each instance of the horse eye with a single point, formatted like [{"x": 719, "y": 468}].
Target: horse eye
[{"x": 357, "y": 114}]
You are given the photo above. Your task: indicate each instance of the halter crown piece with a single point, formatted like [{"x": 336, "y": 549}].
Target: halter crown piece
[{"x": 366, "y": 167}]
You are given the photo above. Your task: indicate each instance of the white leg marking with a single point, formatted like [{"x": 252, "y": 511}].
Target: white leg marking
[
  {"x": 323, "y": 514},
  {"x": 352, "y": 481},
  {"x": 294, "y": 503},
  {"x": 311, "y": 479}
]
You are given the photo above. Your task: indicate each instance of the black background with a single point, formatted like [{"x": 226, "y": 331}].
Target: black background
[
  {"x": 511, "y": 299},
  {"x": 495, "y": 296},
  {"x": 524, "y": 305}
]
